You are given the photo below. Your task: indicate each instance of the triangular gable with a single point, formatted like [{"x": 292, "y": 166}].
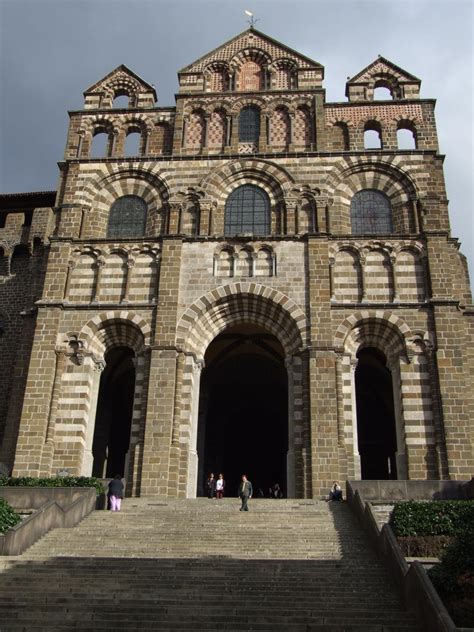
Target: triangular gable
[
  {"x": 120, "y": 74},
  {"x": 383, "y": 66},
  {"x": 250, "y": 38}
]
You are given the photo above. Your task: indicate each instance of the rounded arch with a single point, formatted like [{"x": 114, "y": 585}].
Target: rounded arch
[
  {"x": 119, "y": 181},
  {"x": 101, "y": 194},
  {"x": 104, "y": 122},
  {"x": 127, "y": 217},
  {"x": 350, "y": 177},
  {"x": 275, "y": 180},
  {"x": 254, "y": 101},
  {"x": 390, "y": 179},
  {"x": 388, "y": 81},
  {"x": 240, "y": 303},
  {"x": 373, "y": 328},
  {"x": 123, "y": 86},
  {"x": 115, "y": 328},
  {"x": 254, "y": 53},
  {"x": 247, "y": 210}
]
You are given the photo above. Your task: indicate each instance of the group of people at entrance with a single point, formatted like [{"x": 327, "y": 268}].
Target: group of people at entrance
[{"x": 215, "y": 489}]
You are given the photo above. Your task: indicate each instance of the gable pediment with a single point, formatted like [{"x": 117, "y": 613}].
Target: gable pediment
[
  {"x": 383, "y": 67},
  {"x": 120, "y": 81},
  {"x": 382, "y": 73},
  {"x": 250, "y": 40}
]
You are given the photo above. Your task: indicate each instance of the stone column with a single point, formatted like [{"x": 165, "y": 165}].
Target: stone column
[
  {"x": 228, "y": 130},
  {"x": 332, "y": 288},
  {"x": 363, "y": 289},
  {"x": 415, "y": 213},
  {"x": 194, "y": 422},
  {"x": 88, "y": 458},
  {"x": 70, "y": 270},
  {"x": 234, "y": 137},
  {"x": 291, "y": 216},
  {"x": 322, "y": 220},
  {"x": 395, "y": 366},
  {"x": 99, "y": 266},
  {"x": 175, "y": 207},
  {"x": 355, "y": 434},
  {"x": 130, "y": 263},
  {"x": 48, "y": 447},
  {"x": 393, "y": 262},
  {"x": 290, "y": 457}
]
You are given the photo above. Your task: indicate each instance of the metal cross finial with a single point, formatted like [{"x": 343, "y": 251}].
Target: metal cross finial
[{"x": 253, "y": 20}]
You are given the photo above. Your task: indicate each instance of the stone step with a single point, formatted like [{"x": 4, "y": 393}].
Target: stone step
[{"x": 159, "y": 566}]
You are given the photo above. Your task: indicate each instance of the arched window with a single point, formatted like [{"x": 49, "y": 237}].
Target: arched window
[
  {"x": 133, "y": 142},
  {"x": 249, "y": 124},
  {"x": 406, "y": 135},
  {"x": 121, "y": 100},
  {"x": 100, "y": 144},
  {"x": 127, "y": 217},
  {"x": 373, "y": 135},
  {"x": 247, "y": 210},
  {"x": 382, "y": 93},
  {"x": 371, "y": 212}
]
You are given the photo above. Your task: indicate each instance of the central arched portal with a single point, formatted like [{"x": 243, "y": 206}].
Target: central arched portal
[{"x": 243, "y": 410}]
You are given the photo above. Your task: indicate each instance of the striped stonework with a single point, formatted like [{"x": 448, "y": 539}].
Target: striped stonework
[{"x": 73, "y": 295}]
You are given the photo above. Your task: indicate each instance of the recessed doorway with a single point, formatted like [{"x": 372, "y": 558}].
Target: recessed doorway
[
  {"x": 376, "y": 427},
  {"x": 243, "y": 411},
  {"x": 114, "y": 414}
]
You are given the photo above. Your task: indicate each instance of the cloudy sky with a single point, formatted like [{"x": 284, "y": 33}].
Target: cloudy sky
[{"x": 52, "y": 50}]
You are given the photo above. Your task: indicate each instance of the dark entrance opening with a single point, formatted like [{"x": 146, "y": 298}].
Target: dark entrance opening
[
  {"x": 114, "y": 413},
  {"x": 375, "y": 416},
  {"x": 243, "y": 412}
]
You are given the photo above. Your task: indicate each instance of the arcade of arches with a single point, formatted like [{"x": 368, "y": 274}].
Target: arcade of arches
[{"x": 255, "y": 290}]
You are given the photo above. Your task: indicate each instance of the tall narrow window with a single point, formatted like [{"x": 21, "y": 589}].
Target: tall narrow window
[
  {"x": 247, "y": 210},
  {"x": 249, "y": 124},
  {"x": 127, "y": 217},
  {"x": 371, "y": 212}
]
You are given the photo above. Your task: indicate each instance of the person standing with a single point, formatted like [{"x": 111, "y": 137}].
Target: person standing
[
  {"x": 220, "y": 486},
  {"x": 116, "y": 493},
  {"x": 245, "y": 492},
  {"x": 211, "y": 486}
]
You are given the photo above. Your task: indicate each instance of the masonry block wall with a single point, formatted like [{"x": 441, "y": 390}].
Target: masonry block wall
[{"x": 351, "y": 258}]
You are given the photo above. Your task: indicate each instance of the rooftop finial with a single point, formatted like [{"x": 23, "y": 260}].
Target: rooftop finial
[{"x": 252, "y": 20}]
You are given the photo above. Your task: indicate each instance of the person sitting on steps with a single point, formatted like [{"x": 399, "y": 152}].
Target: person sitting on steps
[{"x": 336, "y": 491}]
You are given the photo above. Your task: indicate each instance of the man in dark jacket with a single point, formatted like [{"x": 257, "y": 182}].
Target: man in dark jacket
[{"x": 245, "y": 492}]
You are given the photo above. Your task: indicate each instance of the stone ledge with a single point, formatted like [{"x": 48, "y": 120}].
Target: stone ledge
[{"x": 55, "y": 507}]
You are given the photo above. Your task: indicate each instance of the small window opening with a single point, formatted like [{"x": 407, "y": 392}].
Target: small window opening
[
  {"x": 406, "y": 138},
  {"x": 132, "y": 144},
  {"x": 121, "y": 101},
  {"x": 249, "y": 124},
  {"x": 372, "y": 139},
  {"x": 382, "y": 93},
  {"x": 100, "y": 144}
]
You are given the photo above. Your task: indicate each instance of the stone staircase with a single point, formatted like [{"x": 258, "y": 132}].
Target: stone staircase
[{"x": 190, "y": 565}]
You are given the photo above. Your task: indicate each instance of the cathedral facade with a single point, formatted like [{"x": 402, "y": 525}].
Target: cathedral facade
[{"x": 253, "y": 281}]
